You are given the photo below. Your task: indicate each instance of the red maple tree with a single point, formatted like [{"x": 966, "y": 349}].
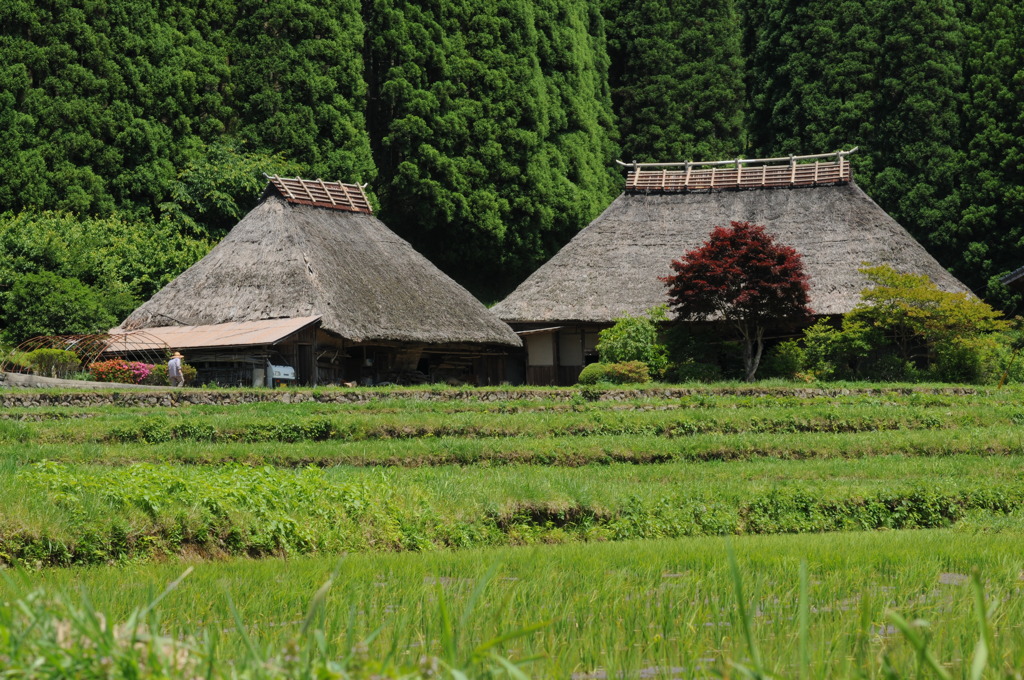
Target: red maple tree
[{"x": 741, "y": 276}]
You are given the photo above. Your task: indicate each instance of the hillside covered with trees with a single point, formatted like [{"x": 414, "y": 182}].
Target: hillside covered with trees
[{"x": 134, "y": 134}]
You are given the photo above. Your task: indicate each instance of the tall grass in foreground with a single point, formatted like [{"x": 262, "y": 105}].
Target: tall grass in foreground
[
  {"x": 655, "y": 609},
  {"x": 59, "y": 638}
]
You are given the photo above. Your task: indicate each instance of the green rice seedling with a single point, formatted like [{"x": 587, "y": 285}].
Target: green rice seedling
[
  {"x": 649, "y": 608},
  {"x": 42, "y": 636}
]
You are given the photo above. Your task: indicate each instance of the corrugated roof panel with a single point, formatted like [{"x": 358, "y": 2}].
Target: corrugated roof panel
[{"x": 237, "y": 334}]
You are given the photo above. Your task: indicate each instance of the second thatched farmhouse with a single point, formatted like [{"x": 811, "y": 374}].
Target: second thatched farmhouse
[
  {"x": 613, "y": 266},
  {"x": 311, "y": 286}
]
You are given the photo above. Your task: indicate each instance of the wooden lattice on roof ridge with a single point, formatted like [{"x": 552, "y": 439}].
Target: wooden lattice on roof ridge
[
  {"x": 741, "y": 173},
  {"x": 335, "y": 195}
]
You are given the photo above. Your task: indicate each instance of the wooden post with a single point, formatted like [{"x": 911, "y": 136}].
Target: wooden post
[
  {"x": 686, "y": 182},
  {"x": 316, "y": 360},
  {"x": 583, "y": 348},
  {"x": 739, "y": 173},
  {"x": 556, "y": 355},
  {"x": 792, "y": 170}
]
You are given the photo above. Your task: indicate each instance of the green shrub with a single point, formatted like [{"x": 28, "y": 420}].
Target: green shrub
[
  {"x": 147, "y": 431},
  {"x": 158, "y": 376},
  {"x": 890, "y": 367},
  {"x": 55, "y": 363},
  {"x": 45, "y": 303},
  {"x": 701, "y": 354},
  {"x": 784, "y": 360},
  {"x": 635, "y": 338},
  {"x": 693, "y": 371},
  {"x": 200, "y": 432},
  {"x": 593, "y": 374},
  {"x": 832, "y": 353},
  {"x": 14, "y": 360},
  {"x": 914, "y": 311},
  {"x": 906, "y": 329},
  {"x": 969, "y": 360},
  {"x": 621, "y": 373},
  {"x": 1011, "y": 358}
]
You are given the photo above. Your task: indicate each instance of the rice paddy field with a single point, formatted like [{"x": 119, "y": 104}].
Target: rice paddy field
[{"x": 862, "y": 532}]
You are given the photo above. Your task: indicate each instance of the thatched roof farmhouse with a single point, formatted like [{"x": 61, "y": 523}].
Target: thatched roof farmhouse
[
  {"x": 613, "y": 266},
  {"x": 366, "y": 306}
]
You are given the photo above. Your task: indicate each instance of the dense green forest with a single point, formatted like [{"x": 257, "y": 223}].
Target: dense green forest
[{"x": 134, "y": 134}]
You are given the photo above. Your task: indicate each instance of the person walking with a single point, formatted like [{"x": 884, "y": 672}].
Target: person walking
[{"x": 174, "y": 372}]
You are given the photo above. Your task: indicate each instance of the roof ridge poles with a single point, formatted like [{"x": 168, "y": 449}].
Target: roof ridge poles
[{"x": 744, "y": 161}]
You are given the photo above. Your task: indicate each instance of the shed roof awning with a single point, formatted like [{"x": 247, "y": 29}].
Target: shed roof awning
[
  {"x": 1014, "y": 279},
  {"x": 235, "y": 334},
  {"x": 539, "y": 331}
]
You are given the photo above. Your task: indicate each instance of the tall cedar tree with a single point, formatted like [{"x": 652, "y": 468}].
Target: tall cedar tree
[
  {"x": 993, "y": 216},
  {"x": 75, "y": 126},
  {"x": 99, "y": 102},
  {"x": 918, "y": 119},
  {"x": 299, "y": 87},
  {"x": 677, "y": 78},
  {"x": 811, "y": 76},
  {"x": 491, "y": 128},
  {"x": 740, "y": 276},
  {"x": 881, "y": 74}
]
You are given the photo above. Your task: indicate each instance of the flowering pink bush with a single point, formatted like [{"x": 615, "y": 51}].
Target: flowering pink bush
[
  {"x": 120, "y": 371},
  {"x": 140, "y": 371}
]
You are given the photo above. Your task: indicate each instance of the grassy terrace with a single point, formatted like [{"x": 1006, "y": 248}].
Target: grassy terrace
[
  {"x": 413, "y": 432},
  {"x": 89, "y": 484},
  {"x": 650, "y": 609},
  {"x": 602, "y": 518}
]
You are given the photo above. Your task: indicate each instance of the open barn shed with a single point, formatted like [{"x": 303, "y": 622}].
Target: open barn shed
[
  {"x": 612, "y": 267},
  {"x": 311, "y": 280}
]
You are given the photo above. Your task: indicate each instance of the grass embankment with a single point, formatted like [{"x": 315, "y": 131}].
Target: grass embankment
[{"x": 652, "y": 609}]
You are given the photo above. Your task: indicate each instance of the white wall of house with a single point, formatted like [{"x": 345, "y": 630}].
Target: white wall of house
[{"x": 540, "y": 349}]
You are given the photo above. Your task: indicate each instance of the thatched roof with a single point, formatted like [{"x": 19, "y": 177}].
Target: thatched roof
[
  {"x": 613, "y": 265},
  {"x": 286, "y": 259}
]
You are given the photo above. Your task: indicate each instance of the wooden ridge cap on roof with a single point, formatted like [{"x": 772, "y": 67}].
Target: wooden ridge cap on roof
[
  {"x": 740, "y": 173},
  {"x": 316, "y": 192}
]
